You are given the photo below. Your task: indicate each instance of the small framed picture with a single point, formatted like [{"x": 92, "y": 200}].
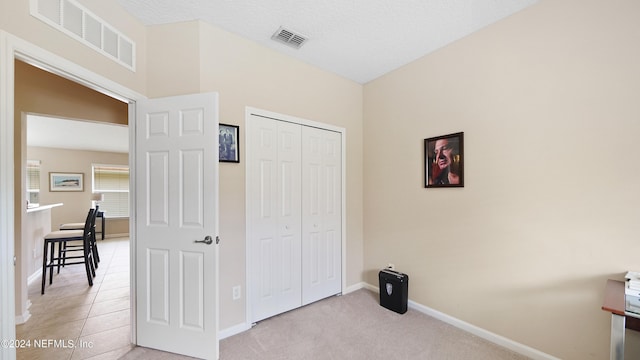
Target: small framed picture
[
  {"x": 66, "y": 181},
  {"x": 444, "y": 161},
  {"x": 228, "y": 144}
]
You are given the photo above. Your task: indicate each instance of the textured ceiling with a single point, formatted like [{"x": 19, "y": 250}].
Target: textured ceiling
[{"x": 357, "y": 39}]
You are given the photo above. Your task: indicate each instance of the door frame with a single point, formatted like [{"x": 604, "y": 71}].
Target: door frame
[
  {"x": 12, "y": 48},
  {"x": 300, "y": 121}
]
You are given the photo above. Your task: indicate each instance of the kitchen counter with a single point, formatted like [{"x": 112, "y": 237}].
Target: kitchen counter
[
  {"x": 36, "y": 225},
  {"x": 43, "y": 207}
]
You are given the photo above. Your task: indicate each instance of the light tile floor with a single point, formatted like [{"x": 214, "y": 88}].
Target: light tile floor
[{"x": 96, "y": 320}]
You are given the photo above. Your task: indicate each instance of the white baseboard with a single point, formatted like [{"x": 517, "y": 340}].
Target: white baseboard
[
  {"x": 21, "y": 319},
  {"x": 354, "y": 287},
  {"x": 108, "y": 236},
  {"x": 371, "y": 288},
  {"x": 234, "y": 330},
  {"x": 36, "y": 276},
  {"x": 470, "y": 328}
]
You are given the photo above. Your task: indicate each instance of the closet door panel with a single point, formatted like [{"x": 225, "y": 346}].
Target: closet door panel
[
  {"x": 332, "y": 160},
  {"x": 263, "y": 237},
  {"x": 321, "y": 214},
  {"x": 289, "y": 214},
  {"x": 274, "y": 196}
]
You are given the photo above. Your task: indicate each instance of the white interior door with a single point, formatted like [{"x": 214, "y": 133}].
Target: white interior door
[
  {"x": 274, "y": 195},
  {"x": 177, "y": 204},
  {"x": 321, "y": 214}
]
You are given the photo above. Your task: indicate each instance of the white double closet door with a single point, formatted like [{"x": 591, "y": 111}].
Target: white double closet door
[{"x": 294, "y": 213}]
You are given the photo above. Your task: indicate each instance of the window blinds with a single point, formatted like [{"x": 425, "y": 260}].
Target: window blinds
[
  {"x": 113, "y": 182},
  {"x": 33, "y": 175},
  {"x": 33, "y": 182}
]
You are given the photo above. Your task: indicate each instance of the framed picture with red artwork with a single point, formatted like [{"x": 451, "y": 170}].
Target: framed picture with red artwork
[{"x": 444, "y": 161}]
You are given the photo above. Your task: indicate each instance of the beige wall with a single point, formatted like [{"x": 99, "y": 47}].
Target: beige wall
[
  {"x": 548, "y": 102},
  {"x": 247, "y": 74},
  {"x": 41, "y": 92},
  {"x": 76, "y": 204}
]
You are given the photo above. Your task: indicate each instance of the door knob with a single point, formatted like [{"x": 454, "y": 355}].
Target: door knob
[{"x": 207, "y": 240}]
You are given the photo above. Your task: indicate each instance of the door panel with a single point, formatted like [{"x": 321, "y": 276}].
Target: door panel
[
  {"x": 191, "y": 184},
  {"x": 191, "y": 290},
  {"x": 158, "y": 273},
  {"x": 274, "y": 212},
  {"x": 321, "y": 214},
  {"x": 177, "y": 204},
  {"x": 157, "y": 186}
]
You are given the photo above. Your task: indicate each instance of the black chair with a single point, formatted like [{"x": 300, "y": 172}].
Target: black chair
[
  {"x": 61, "y": 237},
  {"x": 80, "y": 226}
]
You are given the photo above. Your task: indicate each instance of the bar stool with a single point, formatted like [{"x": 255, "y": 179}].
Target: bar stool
[
  {"x": 60, "y": 237},
  {"x": 80, "y": 226}
]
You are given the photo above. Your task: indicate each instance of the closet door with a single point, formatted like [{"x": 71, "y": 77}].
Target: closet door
[
  {"x": 321, "y": 214},
  {"x": 275, "y": 215}
]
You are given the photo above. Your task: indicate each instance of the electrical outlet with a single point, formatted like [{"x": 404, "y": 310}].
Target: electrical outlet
[
  {"x": 237, "y": 292},
  {"x": 35, "y": 254},
  {"x": 391, "y": 266}
]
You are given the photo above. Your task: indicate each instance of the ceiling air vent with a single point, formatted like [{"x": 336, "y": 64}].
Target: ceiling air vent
[{"x": 289, "y": 37}]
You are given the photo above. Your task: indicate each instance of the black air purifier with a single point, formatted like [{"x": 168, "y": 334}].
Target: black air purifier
[{"x": 394, "y": 290}]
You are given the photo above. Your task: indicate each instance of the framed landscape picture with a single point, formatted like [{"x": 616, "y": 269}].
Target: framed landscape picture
[
  {"x": 66, "y": 181},
  {"x": 228, "y": 144},
  {"x": 444, "y": 161}
]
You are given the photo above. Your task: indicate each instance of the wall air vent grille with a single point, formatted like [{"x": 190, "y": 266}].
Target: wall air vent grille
[
  {"x": 289, "y": 37},
  {"x": 76, "y": 21}
]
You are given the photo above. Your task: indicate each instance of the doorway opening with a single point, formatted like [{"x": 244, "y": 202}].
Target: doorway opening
[{"x": 48, "y": 96}]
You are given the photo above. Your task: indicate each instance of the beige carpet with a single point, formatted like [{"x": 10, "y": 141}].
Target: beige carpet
[{"x": 355, "y": 327}]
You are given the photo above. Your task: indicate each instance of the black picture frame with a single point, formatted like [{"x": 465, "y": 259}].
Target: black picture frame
[
  {"x": 228, "y": 143},
  {"x": 444, "y": 161}
]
